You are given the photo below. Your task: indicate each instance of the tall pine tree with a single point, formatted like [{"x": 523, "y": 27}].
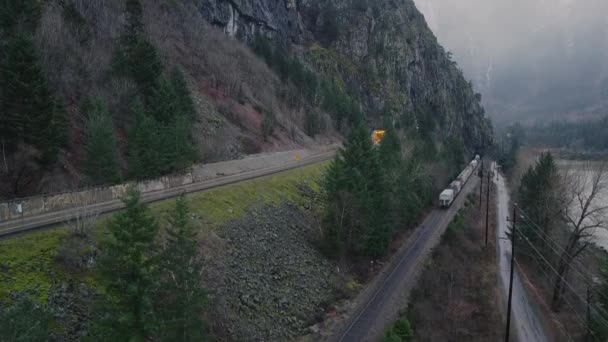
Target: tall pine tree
[
  {"x": 101, "y": 164},
  {"x": 357, "y": 195},
  {"x": 184, "y": 100},
  {"x": 539, "y": 197},
  {"x": 126, "y": 269},
  {"x": 31, "y": 114},
  {"x": 164, "y": 103},
  {"x": 181, "y": 292},
  {"x": 145, "y": 146}
]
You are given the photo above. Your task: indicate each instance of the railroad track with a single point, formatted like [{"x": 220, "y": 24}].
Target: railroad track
[
  {"x": 378, "y": 307},
  {"x": 33, "y": 222}
]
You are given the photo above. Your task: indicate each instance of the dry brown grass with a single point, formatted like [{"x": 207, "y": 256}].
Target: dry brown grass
[{"x": 455, "y": 298}]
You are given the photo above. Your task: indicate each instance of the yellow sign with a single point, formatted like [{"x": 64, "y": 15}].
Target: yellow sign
[
  {"x": 377, "y": 136},
  {"x": 297, "y": 157}
]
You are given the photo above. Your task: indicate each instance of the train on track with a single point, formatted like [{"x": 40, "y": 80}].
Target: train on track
[{"x": 448, "y": 195}]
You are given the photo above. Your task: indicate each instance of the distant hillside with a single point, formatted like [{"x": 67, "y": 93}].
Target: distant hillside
[
  {"x": 129, "y": 89},
  {"x": 531, "y": 59}
]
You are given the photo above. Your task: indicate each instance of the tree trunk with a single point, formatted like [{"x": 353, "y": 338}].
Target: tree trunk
[{"x": 558, "y": 288}]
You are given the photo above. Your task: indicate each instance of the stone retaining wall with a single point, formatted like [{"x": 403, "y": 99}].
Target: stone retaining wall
[{"x": 53, "y": 202}]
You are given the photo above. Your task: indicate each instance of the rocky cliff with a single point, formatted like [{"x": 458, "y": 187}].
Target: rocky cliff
[{"x": 381, "y": 51}]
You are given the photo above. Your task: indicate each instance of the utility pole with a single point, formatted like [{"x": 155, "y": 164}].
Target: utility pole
[
  {"x": 513, "y": 238},
  {"x": 487, "y": 206},
  {"x": 480, "y": 184}
]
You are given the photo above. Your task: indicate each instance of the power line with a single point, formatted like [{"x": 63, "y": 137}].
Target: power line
[
  {"x": 565, "y": 298},
  {"x": 558, "y": 275},
  {"x": 540, "y": 229},
  {"x": 553, "y": 246},
  {"x": 561, "y": 327},
  {"x": 588, "y": 277}
]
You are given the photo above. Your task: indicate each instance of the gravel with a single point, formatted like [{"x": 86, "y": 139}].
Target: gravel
[{"x": 271, "y": 283}]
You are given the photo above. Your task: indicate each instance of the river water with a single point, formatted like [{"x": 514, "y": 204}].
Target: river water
[{"x": 586, "y": 170}]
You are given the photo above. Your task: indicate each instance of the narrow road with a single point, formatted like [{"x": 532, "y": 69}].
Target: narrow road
[
  {"x": 525, "y": 316},
  {"x": 369, "y": 322},
  {"x": 58, "y": 217}
]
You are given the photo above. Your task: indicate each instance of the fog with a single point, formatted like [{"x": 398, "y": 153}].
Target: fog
[{"x": 530, "y": 59}]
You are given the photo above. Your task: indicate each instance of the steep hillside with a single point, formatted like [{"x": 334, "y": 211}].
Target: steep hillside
[
  {"x": 142, "y": 89},
  {"x": 380, "y": 52}
]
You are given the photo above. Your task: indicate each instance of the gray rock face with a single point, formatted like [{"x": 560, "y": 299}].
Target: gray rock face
[
  {"x": 244, "y": 18},
  {"x": 380, "y": 49}
]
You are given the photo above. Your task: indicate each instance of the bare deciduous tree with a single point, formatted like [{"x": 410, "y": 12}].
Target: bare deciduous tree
[
  {"x": 584, "y": 212},
  {"x": 86, "y": 215}
]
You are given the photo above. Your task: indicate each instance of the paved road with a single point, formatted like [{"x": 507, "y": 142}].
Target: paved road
[
  {"x": 47, "y": 219},
  {"x": 382, "y": 307},
  {"x": 525, "y": 316}
]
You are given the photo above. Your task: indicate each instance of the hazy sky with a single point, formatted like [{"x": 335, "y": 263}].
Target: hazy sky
[{"x": 527, "y": 56}]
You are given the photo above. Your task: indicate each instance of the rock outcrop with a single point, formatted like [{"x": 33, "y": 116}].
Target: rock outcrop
[{"x": 383, "y": 51}]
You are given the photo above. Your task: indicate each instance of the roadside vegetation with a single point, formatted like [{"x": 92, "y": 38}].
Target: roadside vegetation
[
  {"x": 372, "y": 194},
  {"x": 455, "y": 296},
  {"x": 561, "y": 211},
  {"x": 149, "y": 279},
  {"x": 73, "y": 278}
]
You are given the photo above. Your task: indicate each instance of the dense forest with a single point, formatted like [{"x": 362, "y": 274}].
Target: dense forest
[{"x": 590, "y": 135}]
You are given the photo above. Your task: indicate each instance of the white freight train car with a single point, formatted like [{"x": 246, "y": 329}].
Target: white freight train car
[{"x": 448, "y": 195}]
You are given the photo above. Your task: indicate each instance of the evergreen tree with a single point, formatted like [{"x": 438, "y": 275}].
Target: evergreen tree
[
  {"x": 24, "y": 321},
  {"x": 357, "y": 172},
  {"x": 182, "y": 152},
  {"x": 538, "y": 196},
  {"x": 134, "y": 26},
  {"x": 164, "y": 104},
  {"x": 311, "y": 83},
  {"x": 145, "y": 146},
  {"x": 30, "y": 113},
  {"x": 181, "y": 291},
  {"x": 262, "y": 48},
  {"x": 101, "y": 164},
  {"x": 144, "y": 66},
  {"x": 280, "y": 63},
  {"x": 390, "y": 148},
  {"x": 126, "y": 270},
  {"x": 184, "y": 99},
  {"x": 19, "y": 15},
  {"x": 136, "y": 57}
]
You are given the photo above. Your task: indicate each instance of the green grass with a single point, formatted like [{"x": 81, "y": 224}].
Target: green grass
[
  {"x": 27, "y": 262},
  {"x": 222, "y": 205}
]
